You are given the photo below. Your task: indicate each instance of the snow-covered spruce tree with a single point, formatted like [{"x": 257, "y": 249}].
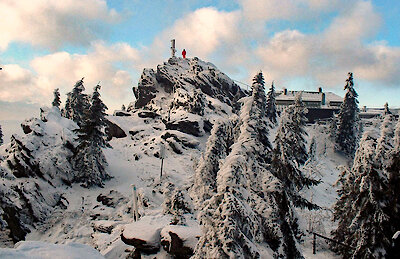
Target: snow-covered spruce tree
[
  {"x": 175, "y": 203},
  {"x": 271, "y": 105},
  {"x": 217, "y": 148},
  {"x": 20, "y": 159},
  {"x": 89, "y": 161},
  {"x": 393, "y": 175},
  {"x": 57, "y": 101},
  {"x": 333, "y": 128},
  {"x": 360, "y": 210},
  {"x": 1, "y": 136},
  {"x": 348, "y": 124},
  {"x": 250, "y": 205},
  {"x": 290, "y": 151},
  {"x": 77, "y": 103},
  {"x": 385, "y": 141},
  {"x": 386, "y": 110}
]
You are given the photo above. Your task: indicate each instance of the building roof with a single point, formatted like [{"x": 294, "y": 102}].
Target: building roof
[{"x": 308, "y": 96}]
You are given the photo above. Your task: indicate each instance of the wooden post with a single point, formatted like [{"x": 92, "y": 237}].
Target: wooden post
[
  {"x": 135, "y": 204},
  {"x": 314, "y": 244},
  {"x": 162, "y": 155}
]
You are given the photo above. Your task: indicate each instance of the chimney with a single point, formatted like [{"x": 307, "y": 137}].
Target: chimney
[
  {"x": 284, "y": 91},
  {"x": 320, "y": 90}
]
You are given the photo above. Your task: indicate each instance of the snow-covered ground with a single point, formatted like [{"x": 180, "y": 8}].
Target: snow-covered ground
[
  {"x": 84, "y": 215},
  {"x": 98, "y": 216}
]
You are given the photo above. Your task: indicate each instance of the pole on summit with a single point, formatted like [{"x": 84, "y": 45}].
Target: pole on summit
[{"x": 173, "y": 50}]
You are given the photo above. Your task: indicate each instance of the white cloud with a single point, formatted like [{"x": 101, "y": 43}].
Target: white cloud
[
  {"x": 266, "y": 10},
  {"x": 52, "y": 23},
  {"x": 328, "y": 56},
  {"x": 113, "y": 66},
  {"x": 204, "y": 30}
]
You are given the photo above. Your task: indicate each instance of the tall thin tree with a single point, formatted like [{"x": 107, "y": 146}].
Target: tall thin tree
[{"x": 348, "y": 128}]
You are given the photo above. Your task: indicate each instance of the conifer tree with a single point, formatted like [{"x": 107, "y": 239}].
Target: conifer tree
[
  {"x": 57, "y": 101},
  {"x": 393, "y": 175},
  {"x": 250, "y": 204},
  {"x": 290, "y": 151},
  {"x": 348, "y": 128},
  {"x": 386, "y": 110},
  {"x": 385, "y": 141},
  {"x": 271, "y": 105},
  {"x": 89, "y": 160},
  {"x": 360, "y": 211},
  {"x": 217, "y": 148},
  {"x": 1, "y": 136},
  {"x": 77, "y": 103}
]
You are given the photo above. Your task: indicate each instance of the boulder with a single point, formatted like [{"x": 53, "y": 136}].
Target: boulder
[
  {"x": 174, "y": 246},
  {"x": 122, "y": 113},
  {"x": 114, "y": 131},
  {"x": 144, "y": 234},
  {"x": 185, "y": 126},
  {"x": 112, "y": 199},
  {"x": 148, "y": 114},
  {"x": 180, "y": 240}
]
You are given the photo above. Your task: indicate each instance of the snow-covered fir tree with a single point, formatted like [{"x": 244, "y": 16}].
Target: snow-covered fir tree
[
  {"x": 271, "y": 105},
  {"x": 89, "y": 160},
  {"x": 361, "y": 209},
  {"x": 290, "y": 150},
  {"x": 333, "y": 128},
  {"x": 386, "y": 110},
  {"x": 1, "y": 136},
  {"x": 393, "y": 175},
  {"x": 57, "y": 101},
  {"x": 348, "y": 120},
  {"x": 175, "y": 203},
  {"x": 20, "y": 159},
  {"x": 250, "y": 205},
  {"x": 385, "y": 141},
  {"x": 217, "y": 148},
  {"x": 77, "y": 103}
]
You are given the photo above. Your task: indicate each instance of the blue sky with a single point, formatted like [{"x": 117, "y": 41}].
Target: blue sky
[{"x": 300, "y": 44}]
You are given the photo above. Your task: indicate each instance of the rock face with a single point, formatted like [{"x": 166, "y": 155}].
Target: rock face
[
  {"x": 189, "y": 95},
  {"x": 180, "y": 73}
]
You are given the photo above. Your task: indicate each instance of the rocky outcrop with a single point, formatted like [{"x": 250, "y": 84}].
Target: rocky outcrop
[
  {"x": 180, "y": 73},
  {"x": 186, "y": 126},
  {"x": 175, "y": 246},
  {"x": 114, "y": 131},
  {"x": 112, "y": 199}
]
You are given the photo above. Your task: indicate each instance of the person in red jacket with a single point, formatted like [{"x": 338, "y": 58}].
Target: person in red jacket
[{"x": 184, "y": 53}]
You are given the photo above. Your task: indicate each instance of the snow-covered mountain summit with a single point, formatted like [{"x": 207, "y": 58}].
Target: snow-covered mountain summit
[{"x": 176, "y": 83}]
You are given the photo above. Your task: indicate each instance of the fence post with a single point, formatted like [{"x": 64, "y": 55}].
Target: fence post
[
  {"x": 135, "y": 205},
  {"x": 314, "y": 244}
]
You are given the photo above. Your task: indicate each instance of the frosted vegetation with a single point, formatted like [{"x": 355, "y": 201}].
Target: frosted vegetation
[{"x": 239, "y": 179}]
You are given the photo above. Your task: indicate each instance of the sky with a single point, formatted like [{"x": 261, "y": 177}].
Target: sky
[{"x": 298, "y": 44}]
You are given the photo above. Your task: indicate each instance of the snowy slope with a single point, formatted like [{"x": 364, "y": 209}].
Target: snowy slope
[{"x": 163, "y": 114}]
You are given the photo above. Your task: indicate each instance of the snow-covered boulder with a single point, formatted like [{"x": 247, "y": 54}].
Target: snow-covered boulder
[
  {"x": 144, "y": 234},
  {"x": 180, "y": 240}
]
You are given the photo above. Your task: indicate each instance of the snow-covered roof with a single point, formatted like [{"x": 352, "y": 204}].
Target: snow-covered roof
[{"x": 309, "y": 96}]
